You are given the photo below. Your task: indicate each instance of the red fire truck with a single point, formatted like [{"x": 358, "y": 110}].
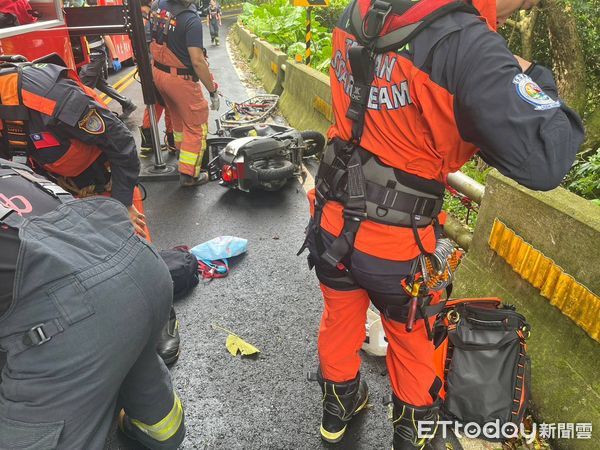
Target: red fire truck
[
  {"x": 52, "y": 33},
  {"x": 47, "y": 35},
  {"x": 121, "y": 41}
]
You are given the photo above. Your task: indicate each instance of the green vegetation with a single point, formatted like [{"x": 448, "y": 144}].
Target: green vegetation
[
  {"x": 284, "y": 26},
  {"x": 565, "y": 36},
  {"x": 584, "y": 178}
]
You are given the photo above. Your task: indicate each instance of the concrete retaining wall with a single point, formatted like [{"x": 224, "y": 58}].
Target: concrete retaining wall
[
  {"x": 235, "y": 34},
  {"x": 306, "y": 99},
  {"x": 245, "y": 41},
  {"x": 551, "y": 273},
  {"x": 267, "y": 64}
]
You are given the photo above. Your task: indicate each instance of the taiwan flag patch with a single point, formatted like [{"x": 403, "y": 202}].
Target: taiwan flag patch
[{"x": 43, "y": 140}]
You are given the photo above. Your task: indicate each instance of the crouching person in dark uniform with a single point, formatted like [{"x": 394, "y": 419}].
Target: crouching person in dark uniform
[
  {"x": 83, "y": 301},
  {"x": 54, "y": 123}
]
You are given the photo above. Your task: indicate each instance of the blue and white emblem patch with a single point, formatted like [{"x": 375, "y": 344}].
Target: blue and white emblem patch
[{"x": 529, "y": 91}]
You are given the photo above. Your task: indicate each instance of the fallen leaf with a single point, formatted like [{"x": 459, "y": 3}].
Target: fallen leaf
[{"x": 236, "y": 344}]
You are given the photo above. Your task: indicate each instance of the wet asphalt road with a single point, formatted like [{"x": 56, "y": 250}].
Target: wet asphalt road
[{"x": 270, "y": 299}]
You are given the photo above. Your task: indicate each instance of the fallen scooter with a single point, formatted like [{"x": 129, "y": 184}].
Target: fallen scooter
[{"x": 261, "y": 156}]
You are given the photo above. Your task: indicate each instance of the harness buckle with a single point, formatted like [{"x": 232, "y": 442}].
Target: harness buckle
[
  {"x": 355, "y": 215},
  {"x": 36, "y": 336},
  {"x": 379, "y": 11}
]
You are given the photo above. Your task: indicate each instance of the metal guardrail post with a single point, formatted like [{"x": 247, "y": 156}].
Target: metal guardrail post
[
  {"x": 158, "y": 160},
  {"x": 458, "y": 232}
]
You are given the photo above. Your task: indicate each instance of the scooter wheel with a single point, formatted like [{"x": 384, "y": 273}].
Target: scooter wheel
[
  {"x": 314, "y": 143},
  {"x": 273, "y": 169}
]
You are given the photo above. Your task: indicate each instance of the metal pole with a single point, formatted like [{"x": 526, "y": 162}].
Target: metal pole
[
  {"x": 142, "y": 57},
  {"x": 158, "y": 161},
  {"x": 466, "y": 185},
  {"x": 308, "y": 52}
]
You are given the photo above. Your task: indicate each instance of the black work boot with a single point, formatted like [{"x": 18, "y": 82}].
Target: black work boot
[
  {"x": 168, "y": 344},
  {"x": 146, "y": 144},
  {"x": 341, "y": 402},
  {"x": 406, "y": 420},
  {"x": 128, "y": 108},
  {"x": 171, "y": 142}
]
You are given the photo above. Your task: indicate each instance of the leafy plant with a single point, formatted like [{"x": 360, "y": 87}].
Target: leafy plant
[
  {"x": 284, "y": 26},
  {"x": 584, "y": 178}
]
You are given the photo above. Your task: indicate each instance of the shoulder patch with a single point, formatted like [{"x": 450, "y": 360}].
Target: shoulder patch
[
  {"x": 92, "y": 123},
  {"x": 529, "y": 91}
]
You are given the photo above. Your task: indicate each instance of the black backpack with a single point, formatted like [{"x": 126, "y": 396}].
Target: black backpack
[{"x": 183, "y": 267}]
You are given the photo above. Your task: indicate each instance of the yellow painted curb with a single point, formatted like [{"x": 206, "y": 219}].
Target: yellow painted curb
[
  {"x": 121, "y": 81},
  {"x": 121, "y": 88}
]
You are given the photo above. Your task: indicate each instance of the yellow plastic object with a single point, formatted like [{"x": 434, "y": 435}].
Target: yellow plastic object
[{"x": 572, "y": 298}]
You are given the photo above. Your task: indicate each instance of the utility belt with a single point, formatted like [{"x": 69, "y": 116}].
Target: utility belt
[
  {"x": 186, "y": 72},
  {"x": 371, "y": 190},
  {"x": 391, "y": 196}
]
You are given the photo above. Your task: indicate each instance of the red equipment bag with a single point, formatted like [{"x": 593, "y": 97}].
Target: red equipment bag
[{"x": 481, "y": 358}]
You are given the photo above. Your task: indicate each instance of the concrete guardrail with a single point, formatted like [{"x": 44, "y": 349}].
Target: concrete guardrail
[
  {"x": 246, "y": 41},
  {"x": 541, "y": 252},
  {"x": 235, "y": 34},
  {"x": 267, "y": 62},
  {"x": 306, "y": 99}
]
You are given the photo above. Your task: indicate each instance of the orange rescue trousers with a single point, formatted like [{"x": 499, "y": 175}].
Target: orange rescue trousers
[
  {"x": 159, "y": 111},
  {"x": 138, "y": 202},
  {"x": 189, "y": 109},
  {"x": 409, "y": 360}
]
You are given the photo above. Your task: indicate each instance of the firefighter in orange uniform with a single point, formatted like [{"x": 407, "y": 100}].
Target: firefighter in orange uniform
[
  {"x": 178, "y": 65},
  {"x": 418, "y": 88}
]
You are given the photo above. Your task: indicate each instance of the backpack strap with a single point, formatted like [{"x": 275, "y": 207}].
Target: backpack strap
[{"x": 409, "y": 19}]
